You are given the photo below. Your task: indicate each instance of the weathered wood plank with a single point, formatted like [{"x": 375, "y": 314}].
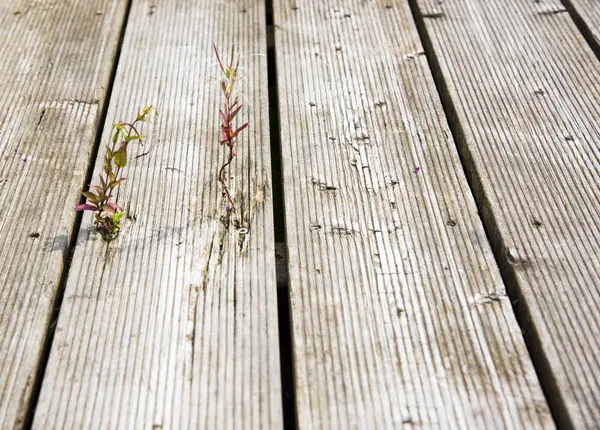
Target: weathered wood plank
[
  {"x": 399, "y": 313},
  {"x": 56, "y": 62},
  {"x": 174, "y": 324},
  {"x": 588, "y": 11},
  {"x": 525, "y": 87}
]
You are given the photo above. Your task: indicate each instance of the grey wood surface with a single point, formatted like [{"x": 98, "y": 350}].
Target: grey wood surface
[
  {"x": 399, "y": 314},
  {"x": 588, "y": 11},
  {"x": 524, "y": 84},
  {"x": 174, "y": 323},
  {"x": 56, "y": 62}
]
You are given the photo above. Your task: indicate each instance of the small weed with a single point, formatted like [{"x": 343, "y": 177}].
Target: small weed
[
  {"x": 229, "y": 87},
  {"x": 108, "y": 215}
]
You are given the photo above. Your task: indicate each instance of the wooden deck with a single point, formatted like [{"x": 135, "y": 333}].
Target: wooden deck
[{"x": 420, "y": 184}]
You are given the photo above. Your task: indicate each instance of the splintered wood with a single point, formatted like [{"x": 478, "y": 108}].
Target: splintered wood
[
  {"x": 399, "y": 313},
  {"x": 174, "y": 324}
]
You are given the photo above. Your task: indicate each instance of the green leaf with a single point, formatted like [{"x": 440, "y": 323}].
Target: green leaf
[
  {"x": 130, "y": 138},
  {"x": 117, "y": 217},
  {"x": 107, "y": 166},
  {"x": 97, "y": 191},
  {"x": 90, "y": 196},
  {"x": 121, "y": 157},
  {"x": 113, "y": 184}
]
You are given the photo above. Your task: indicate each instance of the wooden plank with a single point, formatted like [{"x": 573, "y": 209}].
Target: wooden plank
[
  {"x": 57, "y": 59},
  {"x": 586, "y": 13},
  {"x": 524, "y": 84},
  {"x": 399, "y": 313},
  {"x": 174, "y": 323}
]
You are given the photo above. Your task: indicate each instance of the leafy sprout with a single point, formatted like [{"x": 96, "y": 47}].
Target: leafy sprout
[
  {"x": 107, "y": 214},
  {"x": 229, "y": 84}
]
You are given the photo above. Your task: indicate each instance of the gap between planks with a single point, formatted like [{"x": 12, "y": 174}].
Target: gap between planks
[
  {"x": 543, "y": 155},
  {"x": 49, "y": 112},
  {"x": 586, "y": 15},
  {"x": 522, "y": 314},
  {"x": 167, "y": 356},
  {"x": 76, "y": 228},
  {"x": 373, "y": 318},
  {"x": 281, "y": 261}
]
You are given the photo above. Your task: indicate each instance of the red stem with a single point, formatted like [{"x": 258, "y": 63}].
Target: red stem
[{"x": 229, "y": 81}]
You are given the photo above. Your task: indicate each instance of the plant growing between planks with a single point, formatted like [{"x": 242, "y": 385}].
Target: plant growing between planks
[
  {"x": 108, "y": 215},
  {"x": 230, "y": 80}
]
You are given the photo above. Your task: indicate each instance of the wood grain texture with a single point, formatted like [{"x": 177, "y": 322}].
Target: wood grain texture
[
  {"x": 524, "y": 84},
  {"x": 174, "y": 323},
  {"x": 399, "y": 314},
  {"x": 56, "y": 62},
  {"x": 588, "y": 11}
]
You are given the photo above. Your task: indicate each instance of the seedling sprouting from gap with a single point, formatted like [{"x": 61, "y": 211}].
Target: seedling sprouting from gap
[
  {"x": 230, "y": 80},
  {"x": 108, "y": 215}
]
